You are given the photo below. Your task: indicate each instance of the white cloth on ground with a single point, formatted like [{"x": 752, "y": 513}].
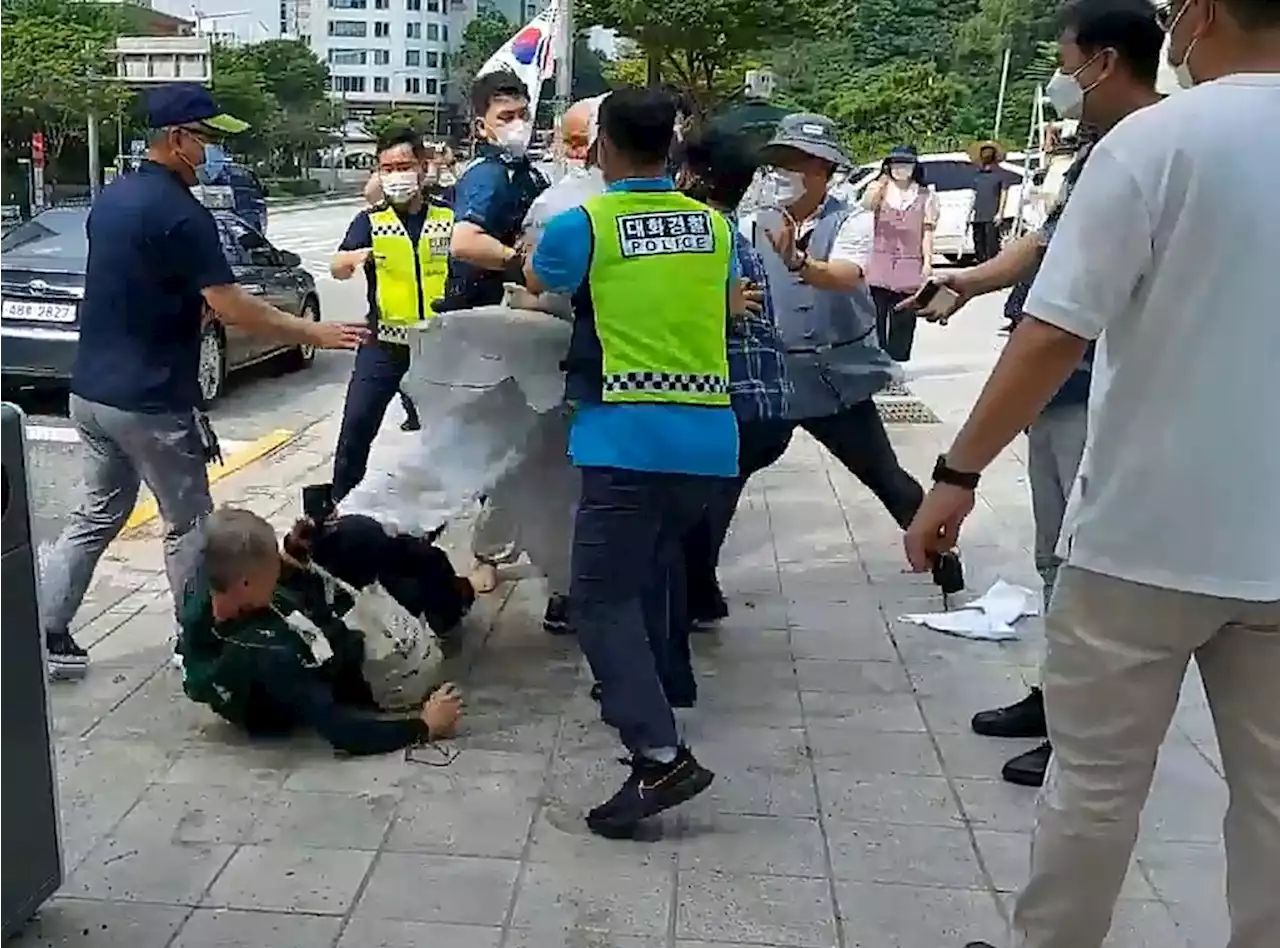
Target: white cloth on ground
[{"x": 988, "y": 618}]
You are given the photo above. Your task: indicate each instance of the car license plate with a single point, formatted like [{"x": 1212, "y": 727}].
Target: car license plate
[{"x": 39, "y": 312}]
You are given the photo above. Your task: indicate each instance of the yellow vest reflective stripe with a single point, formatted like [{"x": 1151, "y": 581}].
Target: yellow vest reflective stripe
[
  {"x": 407, "y": 283},
  {"x": 658, "y": 279}
]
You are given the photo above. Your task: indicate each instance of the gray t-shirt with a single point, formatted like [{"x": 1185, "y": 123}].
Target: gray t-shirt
[{"x": 988, "y": 185}]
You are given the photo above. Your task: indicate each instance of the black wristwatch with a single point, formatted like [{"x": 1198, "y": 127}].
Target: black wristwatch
[
  {"x": 943, "y": 473},
  {"x": 804, "y": 262}
]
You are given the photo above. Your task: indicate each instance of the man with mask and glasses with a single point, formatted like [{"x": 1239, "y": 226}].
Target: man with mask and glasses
[
  {"x": 155, "y": 268},
  {"x": 402, "y": 247},
  {"x": 1165, "y": 252},
  {"x": 493, "y": 195},
  {"x": 1109, "y": 51}
]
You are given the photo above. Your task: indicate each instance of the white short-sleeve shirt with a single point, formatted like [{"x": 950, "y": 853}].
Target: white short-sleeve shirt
[{"x": 1167, "y": 249}]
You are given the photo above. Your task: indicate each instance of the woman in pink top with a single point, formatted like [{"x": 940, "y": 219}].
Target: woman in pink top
[{"x": 906, "y": 212}]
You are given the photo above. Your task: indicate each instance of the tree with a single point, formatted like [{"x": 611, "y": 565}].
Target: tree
[
  {"x": 627, "y": 71},
  {"x": 55, "y": 69},
  {"x": 898, "y": 103},
  {"x": 482, "y": 38},
  {"x": 702, "y": 46},
  {"x": 383, "y": 122}
]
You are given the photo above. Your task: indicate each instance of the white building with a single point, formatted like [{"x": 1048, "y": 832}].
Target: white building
[{"x": 387, "y": 53}]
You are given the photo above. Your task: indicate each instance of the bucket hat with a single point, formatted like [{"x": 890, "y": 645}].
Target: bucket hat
[{"x": 810, "y": 133}]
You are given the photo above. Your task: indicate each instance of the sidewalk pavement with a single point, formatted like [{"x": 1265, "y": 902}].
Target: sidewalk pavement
[{"x": 852, "y": 806}]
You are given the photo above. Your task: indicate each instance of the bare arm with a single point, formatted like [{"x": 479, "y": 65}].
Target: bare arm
[
  {"x": 472, "y": 245},
  {"x": 237, "y": 308},
  {"x": 840, "y": 275},
  {"x": 346, "y": 262},
  {"x": 1015, "y": 263},
  {"x": 874, "y": 194}
]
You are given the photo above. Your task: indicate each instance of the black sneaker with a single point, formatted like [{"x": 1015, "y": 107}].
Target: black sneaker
[
  {"x": 1028, "y": 770},
  {"x": 596, "y": 689},
  {"x": 651, "y": 788},
  {"x": 979, "y": 944},
  {"x": 411, "y": 424},
  {"x": 1023, "y": 719},
  {"x": 707, "y": 608},
  {"x": 66, "y": 658},
  {"x": 556, "y": 619}
]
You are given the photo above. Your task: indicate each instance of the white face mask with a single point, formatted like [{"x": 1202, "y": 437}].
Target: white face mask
[
  {"x": 1181, "y": 68},
  {"x": 1066, "y": 95},
  {"x": 400, "y": 187},
  {"x": 513, "y": 138},
  {"x": 900, "y": 173},
  {"x": 782, "y": 188}
]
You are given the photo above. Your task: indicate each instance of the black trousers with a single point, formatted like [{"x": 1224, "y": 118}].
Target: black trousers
[
  {"x": 375, "y": 380},
  {"x": 986, "y": 240},
  {"x": 895, "y": 331},
  {"x": 855, "y": 437}
]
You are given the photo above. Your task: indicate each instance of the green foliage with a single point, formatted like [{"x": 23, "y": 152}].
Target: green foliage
[
  {"x": 482, "y": 38},
  {"x": 55, "y": 69},
  {"x": 702, "y": 46},
  {"x": 922, "y": 72},
  {"x": 294, "y": 186}
]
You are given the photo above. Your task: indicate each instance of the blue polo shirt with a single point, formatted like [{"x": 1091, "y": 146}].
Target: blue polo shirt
[
  {"x": 494, "y": 193},
  {"x": 669, "y": 439},
  {"x": 152, "y": 249}
]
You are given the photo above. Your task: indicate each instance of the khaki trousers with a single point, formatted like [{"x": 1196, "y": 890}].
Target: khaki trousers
[{"x": 1117, "y": 654}]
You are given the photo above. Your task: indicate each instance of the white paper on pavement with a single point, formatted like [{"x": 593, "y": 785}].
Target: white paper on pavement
[
  {"x": 990, "y": 617},
  {"x": 480, "y": 379}
]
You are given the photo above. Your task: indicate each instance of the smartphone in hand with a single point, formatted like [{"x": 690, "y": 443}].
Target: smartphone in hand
[{"x": 937, "y": 301}]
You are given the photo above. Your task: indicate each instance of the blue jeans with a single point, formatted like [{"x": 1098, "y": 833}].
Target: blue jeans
[
  {"x": 627, "y": 576},
  {"x": 375, "y": 380},
  {"x": 123, "y": 450}
]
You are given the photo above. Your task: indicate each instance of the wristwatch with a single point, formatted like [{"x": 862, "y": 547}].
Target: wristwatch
[
  {"x": 943, "y": 473},
  {"x": 803, "y": 258}
]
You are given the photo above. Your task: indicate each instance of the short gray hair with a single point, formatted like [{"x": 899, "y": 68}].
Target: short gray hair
[{"x": 235, "y": 542}]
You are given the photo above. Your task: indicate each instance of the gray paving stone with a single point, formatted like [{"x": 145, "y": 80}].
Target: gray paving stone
[
  {"x": 323, "y": 820},
  {"x": 887, "y": 798},
  {"x": 176, "y": 874},
  {"x": 79, "y": 923},
  {"x": 581, "y": 938},
  {"x": 560, "y": 836},
  {"x": 918, "y": 917},
  {"x": 397, "y": 933},
  {"x": 251, "y": 767},
  {"x": 764, "y": 845},
  {"x": 228, "y": 928},
  {"x": 874, "y": 712},
  {"x": 977, "y": 757},
  {"x": 843, "y": 646},
  {"x": 873, "y": 752},
  {"x": 290, "y": 879},
  {"x": 1008, "y": 860},
  {"x": 188, "y": 813},
  {"x": 1145, "y": 925},
  {"x": 913, "y": 855},
  {"x": 995, "y": 805},
  {"x": 327, "y": 773},
  {"x": 620, "y": 901},
  {"x": 759, "y": 792},
  {"x": 766, "y": 910},
  {"x": 487, "y": 815},
  {"x": 422, "y": 888},
  {"x": 857, "y": 678}
]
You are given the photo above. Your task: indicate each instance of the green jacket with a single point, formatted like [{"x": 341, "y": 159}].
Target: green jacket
[{"x": 258, "y": 672}]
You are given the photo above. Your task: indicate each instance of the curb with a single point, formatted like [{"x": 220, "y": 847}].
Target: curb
[{"x": 147, "y": 510}]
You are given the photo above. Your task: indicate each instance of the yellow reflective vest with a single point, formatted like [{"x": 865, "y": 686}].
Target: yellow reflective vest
[{"x": 408, "y": 281}]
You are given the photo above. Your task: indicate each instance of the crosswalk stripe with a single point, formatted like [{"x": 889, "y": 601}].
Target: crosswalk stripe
[{"x": 58, "y": 434}]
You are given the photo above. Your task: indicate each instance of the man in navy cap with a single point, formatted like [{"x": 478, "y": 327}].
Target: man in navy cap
[{"x": 155, "y": 267}]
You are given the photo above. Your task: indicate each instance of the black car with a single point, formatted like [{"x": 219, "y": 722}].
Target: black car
[{"x": 42, "y": 284}]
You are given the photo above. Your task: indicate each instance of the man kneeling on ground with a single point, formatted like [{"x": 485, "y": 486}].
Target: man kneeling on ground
[{"x": 246, "y": 658}]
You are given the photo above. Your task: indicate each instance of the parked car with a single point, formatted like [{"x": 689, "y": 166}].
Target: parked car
[
  {"x": 239, "y": 190},
  {"x": 951, "y": 177},
  {"x": 42, "y": 283}
]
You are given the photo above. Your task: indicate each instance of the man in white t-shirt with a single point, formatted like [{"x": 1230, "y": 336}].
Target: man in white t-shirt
[{"x": 1166, "y": 251}]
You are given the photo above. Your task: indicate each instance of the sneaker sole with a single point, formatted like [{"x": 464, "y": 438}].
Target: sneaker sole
[
  {"x": 686, "y": 790},
  {"x": 64, "y": 671}
]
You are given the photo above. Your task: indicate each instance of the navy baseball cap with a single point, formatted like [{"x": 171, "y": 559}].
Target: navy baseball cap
[{"x": 188, "y": 103}]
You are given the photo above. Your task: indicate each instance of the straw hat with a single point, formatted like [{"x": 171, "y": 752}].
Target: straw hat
[{"x": 975, "y": 150}]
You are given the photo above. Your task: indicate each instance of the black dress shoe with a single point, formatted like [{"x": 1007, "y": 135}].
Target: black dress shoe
[
  {"x": 556, "y": 619},
  {"x": 979, "y": 944},
  {"x": 1027, "y": 770},
  {"x": 707, "y": 607},
  {"x": 1024, "y": 719}
]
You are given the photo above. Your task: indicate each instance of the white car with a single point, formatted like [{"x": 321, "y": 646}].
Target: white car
[{"x": 950, "y": 176}]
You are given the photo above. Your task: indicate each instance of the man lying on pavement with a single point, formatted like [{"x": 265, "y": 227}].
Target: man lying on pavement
[{"x": 258, "y": 670}]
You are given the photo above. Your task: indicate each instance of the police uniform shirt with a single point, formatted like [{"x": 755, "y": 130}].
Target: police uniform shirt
[{"x": 153, "y": 248}]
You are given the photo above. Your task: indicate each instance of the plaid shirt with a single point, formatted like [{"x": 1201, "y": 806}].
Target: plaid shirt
[{"x": 758, "y": 383}]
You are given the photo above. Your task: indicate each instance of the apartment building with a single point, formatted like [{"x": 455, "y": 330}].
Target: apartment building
[{"x": 388, "y": 53}]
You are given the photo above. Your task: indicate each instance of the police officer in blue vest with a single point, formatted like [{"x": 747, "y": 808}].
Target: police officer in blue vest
[{"x": 493, "y": 195}]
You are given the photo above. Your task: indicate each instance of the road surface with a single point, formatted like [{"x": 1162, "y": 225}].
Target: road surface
[{"x": 258, "y": 401}]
